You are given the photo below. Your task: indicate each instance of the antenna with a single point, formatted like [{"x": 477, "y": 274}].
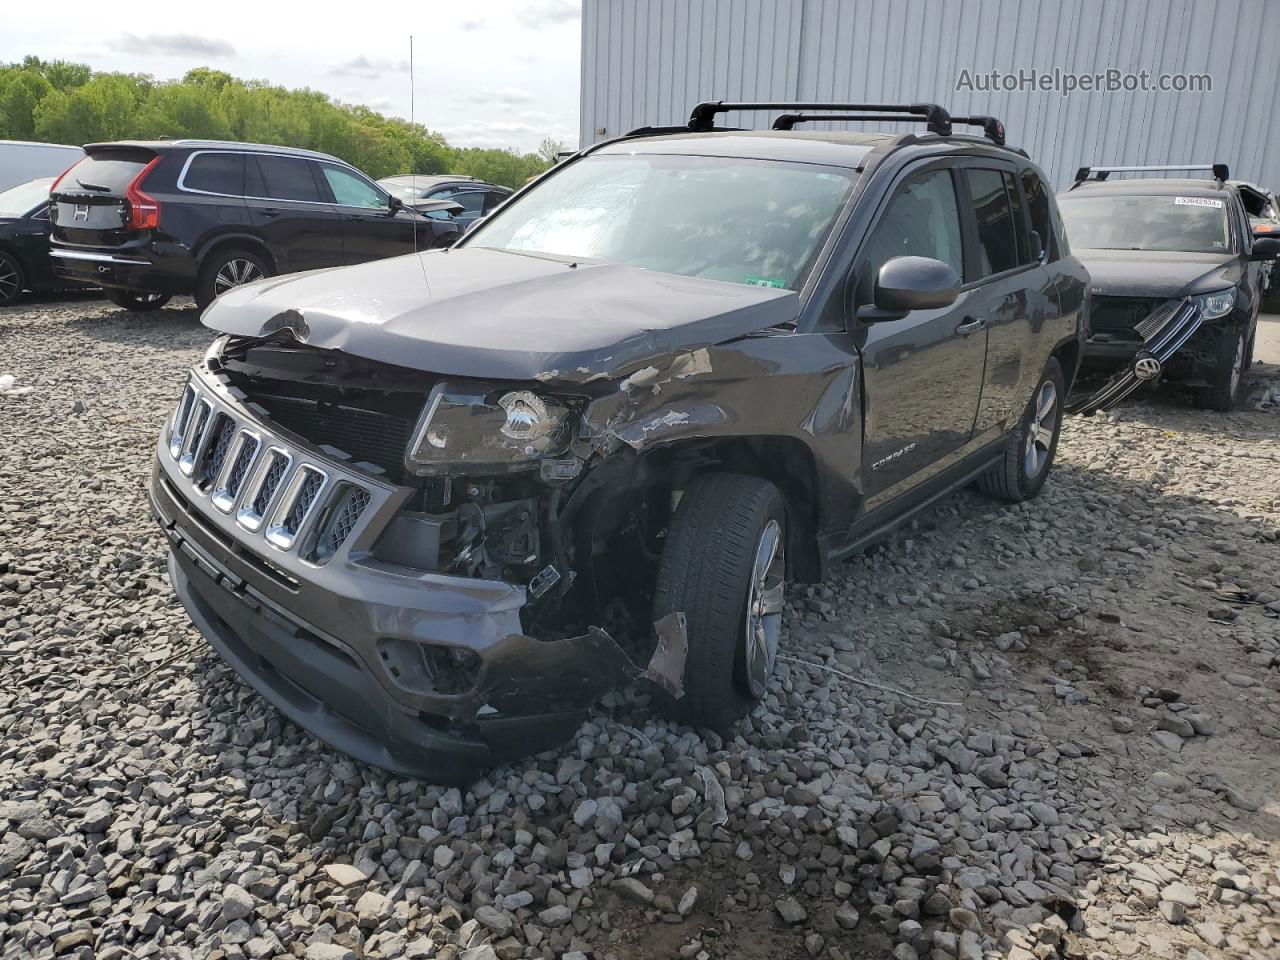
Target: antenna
[{"x": 413, "y": 162}]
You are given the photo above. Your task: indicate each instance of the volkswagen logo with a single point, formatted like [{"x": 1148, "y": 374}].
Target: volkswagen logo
[
  {"x": 1146, "y": 368},
  {"x": 82, "y": 212}
]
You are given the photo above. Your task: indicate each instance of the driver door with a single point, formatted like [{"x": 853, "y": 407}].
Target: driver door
[
  {"x": 370, "y": 229},
  {"x": 922, "y": 373}
]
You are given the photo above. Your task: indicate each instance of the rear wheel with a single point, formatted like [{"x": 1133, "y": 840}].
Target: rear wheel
[
  {"x": 11, "y": 280},
  {"x": 1030, "y": 449},
  {"x": 138, "y": 301},
  {"x": 226, "y": 270},
  {"x": 1232, "y": 353},
  {"x": 724, "y": 567}
]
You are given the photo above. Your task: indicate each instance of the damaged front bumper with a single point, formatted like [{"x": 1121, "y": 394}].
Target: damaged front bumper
[
  {"x": 424, "y": 674},
  {"x": 1163, "y": 333}
]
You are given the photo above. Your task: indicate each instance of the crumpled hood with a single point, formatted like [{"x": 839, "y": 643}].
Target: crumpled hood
[
  {"x": 482, "y": 313},
  {"x": 1158, "y": 273}
]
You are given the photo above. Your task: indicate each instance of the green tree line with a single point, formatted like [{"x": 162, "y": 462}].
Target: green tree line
[{"x": 60, "y": 102}]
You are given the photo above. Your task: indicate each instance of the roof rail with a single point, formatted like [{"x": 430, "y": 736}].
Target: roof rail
[
  {"x": 992, "y": 128},
  {"x": 702, "y": 117},
  {"x": 1219, "y": 170}
]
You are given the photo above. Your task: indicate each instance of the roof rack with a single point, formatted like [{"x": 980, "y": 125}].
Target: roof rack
[
  {"x": 992, "y": 128},
  {"x": 702, "y": 118},
  {"x": 1219, "y": 170}
]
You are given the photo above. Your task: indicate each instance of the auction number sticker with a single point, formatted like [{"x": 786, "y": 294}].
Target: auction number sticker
[{"x": 1197, "y": 202}]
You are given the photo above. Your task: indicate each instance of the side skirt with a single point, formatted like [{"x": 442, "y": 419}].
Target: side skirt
[{"x": 882, "y": 521}]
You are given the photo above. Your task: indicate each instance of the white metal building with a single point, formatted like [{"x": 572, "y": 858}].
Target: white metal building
[{"x": 648, "y": 61}]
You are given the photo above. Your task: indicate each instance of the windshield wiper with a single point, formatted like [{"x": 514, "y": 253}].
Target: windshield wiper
[{"x": 93, "y": 186}]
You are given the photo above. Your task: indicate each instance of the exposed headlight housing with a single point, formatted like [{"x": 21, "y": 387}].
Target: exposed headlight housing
[
  {"x": 1217, "y": 305},
  {"x": 486, "y": 428}
]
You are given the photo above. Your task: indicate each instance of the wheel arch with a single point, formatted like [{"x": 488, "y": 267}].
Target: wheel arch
[
  {"x": 239, "y": 241},
  {"x": 784, "y": 461},
  {"x": 1068, "y": 354}
]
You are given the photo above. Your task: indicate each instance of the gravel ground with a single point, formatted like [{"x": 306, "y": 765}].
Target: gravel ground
[{"x": 1098, "y": 774}]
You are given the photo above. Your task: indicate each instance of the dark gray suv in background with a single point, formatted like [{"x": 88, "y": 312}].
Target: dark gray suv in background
[
  {"x": 433, "y": 507},
  {"x": 149, "y": 219}
]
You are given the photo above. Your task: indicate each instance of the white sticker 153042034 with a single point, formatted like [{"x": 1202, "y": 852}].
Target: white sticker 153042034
[{"x": 1197, "y": 201}]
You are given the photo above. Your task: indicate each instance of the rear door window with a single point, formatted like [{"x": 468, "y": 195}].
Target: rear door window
[
  {"x": 493, "y": 199},
  {"x": 997, "y": 225},
  {"x": 472, "y": 202},
  {"x": 282, "y": 178},
  {"x": 221, "y": 173}
]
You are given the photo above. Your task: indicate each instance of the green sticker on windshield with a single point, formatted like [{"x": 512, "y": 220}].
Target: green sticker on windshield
[{"x": 765, "y": 282}]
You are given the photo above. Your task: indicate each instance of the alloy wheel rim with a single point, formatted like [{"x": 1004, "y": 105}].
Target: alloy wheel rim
[
  {"x": 234, "y": 273},
  {"x": 8, "y": 280},
  {"x": 765, "y": 598},
  {"x": 1035, "y": 454}
]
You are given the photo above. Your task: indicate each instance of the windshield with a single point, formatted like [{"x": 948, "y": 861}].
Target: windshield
[
  {"x": 20, "y": 200},
  {"x": 759, "y": 222},
  {"x": 1147, "y": 222}
]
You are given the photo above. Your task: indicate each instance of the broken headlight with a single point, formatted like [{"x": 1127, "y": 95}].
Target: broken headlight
[
  {"x": 1216, "y": 305},
  {"x": 486, "y": 428}
]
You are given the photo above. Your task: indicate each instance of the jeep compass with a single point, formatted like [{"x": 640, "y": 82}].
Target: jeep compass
[{"x": 434, "y": 507}]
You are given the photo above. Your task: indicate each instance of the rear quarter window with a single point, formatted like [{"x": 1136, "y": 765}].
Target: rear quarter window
[{"x": 216, "y": 173}]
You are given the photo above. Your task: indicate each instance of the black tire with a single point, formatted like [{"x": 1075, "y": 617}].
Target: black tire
[
  {"x": 1231, "y": 360},
  {"x": 1017, "y": 476},
  {"x": 226, "y": 269},
  {"x": 139, "y": 301},
  {"x": 706, "y": 572},
  {"x": 12, "y": 280}
]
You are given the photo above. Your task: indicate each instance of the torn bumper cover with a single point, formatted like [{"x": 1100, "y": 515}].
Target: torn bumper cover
[
  {"x": 1164, "y": 332},
  {"x": 424, "y": 674}
]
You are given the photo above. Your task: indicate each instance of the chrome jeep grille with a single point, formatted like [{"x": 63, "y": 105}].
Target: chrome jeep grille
[{"x": 268, "y": 490}]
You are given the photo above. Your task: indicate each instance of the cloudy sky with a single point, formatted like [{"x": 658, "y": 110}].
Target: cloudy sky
[{"x": 488, "y": 73}]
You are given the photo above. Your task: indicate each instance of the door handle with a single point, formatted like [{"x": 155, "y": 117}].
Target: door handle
[
  {"x": 269, "y": 211},
  {"x": 970, "y": 325}
]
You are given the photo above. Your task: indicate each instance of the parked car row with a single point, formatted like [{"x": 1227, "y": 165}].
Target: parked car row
[{"x": 147, "y": 220}]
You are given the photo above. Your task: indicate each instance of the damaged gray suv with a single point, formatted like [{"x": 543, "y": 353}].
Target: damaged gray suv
[{"x": 434, "y": 507}]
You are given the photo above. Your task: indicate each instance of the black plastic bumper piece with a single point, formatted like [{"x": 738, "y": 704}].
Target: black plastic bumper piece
[{"x": 330, "y": 695}]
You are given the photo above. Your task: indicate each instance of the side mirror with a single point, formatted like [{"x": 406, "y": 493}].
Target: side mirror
[
  {"x": 395, "y": 204},
  {"x": 1266, "y": 248},
  {"x": 911, "y": 283}
]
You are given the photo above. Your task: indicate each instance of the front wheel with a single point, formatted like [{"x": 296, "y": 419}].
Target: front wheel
[
  {"x": 1232, "y": 355},
  {"x": 724, "y": 567},
  {"x": 1030, "y": 449},
  {"x": 138, "y": 301}
]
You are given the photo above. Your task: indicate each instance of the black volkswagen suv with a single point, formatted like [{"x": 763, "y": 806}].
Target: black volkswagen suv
[
  {"x": 433, "y": 507},
  {"x": 1176, "y": 279},
  {"x": 147, "y": 220}
]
